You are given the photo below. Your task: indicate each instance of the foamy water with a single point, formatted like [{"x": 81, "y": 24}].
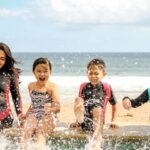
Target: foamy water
[{"x": 69, "y": 85}]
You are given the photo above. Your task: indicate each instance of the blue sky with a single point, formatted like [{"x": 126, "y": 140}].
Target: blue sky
[{"x": 75, "y": 25}]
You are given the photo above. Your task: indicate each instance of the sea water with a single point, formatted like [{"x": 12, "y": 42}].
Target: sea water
[{"x": 127, "y": 73}]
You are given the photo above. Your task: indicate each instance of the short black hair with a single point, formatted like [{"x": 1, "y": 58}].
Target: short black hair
[
  {"x": 41, "y": 60},
  {"x": 98, "y": 62}
]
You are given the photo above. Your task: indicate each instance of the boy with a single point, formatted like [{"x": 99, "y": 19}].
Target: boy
[{"x": 90, "y": 106}]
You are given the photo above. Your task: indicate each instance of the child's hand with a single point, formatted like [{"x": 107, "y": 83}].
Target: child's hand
[
  {"x": 47, "y": 108},
  {"x": 126, "y": 103},
  {"x": 21, "y": 118}
]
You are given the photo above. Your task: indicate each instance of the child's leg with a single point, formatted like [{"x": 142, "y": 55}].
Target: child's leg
[
  {"x": 98, "y": 122},
  {"x": 49, "y": 124},
  {"x": 43, "y": 130},
  {"x": 79, "y": 109},
  {"x": 41, "y": 139},
  {"x": 28, "y": 128},
  {"x": 98, "y": 127}
]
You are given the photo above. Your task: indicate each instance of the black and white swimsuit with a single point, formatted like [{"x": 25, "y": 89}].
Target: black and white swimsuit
[{"x": 39, "y": 99}]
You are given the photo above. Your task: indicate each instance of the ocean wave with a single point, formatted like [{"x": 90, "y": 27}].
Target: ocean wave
[{"x": 118, "y": 83}]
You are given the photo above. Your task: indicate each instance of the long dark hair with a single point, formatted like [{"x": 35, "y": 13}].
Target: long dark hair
[{"x": 10, "y": 61}]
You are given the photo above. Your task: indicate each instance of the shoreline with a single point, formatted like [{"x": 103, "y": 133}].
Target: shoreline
[{"x": 134, "y": 116}]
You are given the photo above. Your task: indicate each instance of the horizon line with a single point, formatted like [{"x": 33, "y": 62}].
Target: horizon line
[{"x": 81, "y": 52}]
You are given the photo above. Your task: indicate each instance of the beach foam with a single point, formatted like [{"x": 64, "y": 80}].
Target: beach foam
[{"x": 69, "y": 85}]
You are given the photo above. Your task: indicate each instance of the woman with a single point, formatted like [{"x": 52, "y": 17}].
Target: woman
[{"x": 9, "y": 82}]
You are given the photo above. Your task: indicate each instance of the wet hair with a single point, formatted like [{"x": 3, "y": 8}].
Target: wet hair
[
  {"x": 41, "y": 60},
  {"x": 10, "y": 61},
  {"x": 97, "y": 62}
]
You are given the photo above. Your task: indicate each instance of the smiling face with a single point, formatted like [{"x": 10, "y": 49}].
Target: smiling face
[
  {"x": 42, "y": 73},
  {"x": 2, "y": 59},
  {"x": 95, "y": 74}
]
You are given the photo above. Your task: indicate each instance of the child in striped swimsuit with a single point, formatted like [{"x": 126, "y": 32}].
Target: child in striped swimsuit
[{"x": 45, "y": 104}]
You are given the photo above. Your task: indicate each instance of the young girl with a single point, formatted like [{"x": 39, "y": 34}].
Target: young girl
[
  {"x": 9, "y": 82},
  {"x": 90, "y": 106},
  {"x": 44, "y": 106}
]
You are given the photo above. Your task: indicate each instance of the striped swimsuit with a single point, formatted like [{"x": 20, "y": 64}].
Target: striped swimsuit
[{"x": 39, "y": 99}]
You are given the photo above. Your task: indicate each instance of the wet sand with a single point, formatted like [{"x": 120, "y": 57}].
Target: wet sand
[{"x": 134, "y": 116}]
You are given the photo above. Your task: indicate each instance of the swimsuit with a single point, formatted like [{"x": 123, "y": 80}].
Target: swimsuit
[
  {"x": 37, "y": 121},
  {"x": 39, "y": 99},
  {"x": 9, "y": 83},
  {"x": 93, "y": 96}
]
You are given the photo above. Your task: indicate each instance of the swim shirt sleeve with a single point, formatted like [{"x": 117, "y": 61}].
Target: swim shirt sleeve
[
  {"x": 14, "y": 88},
  {"x": 112, "y": 100},
  {"x": 141, "y": 99},
  {"x": 81, "y": 90}
]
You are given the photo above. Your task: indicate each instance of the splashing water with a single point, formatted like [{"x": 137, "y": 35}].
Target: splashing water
[
  {"x": 3, "y": 142},
  {"x": 10, "y": 143},
  {"x": 59, "y": 143}
]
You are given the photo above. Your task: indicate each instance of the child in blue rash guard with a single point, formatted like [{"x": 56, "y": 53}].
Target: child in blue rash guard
[
  {"x": 9, "y": 82},
  {"x": 141, "y": 99},
  {"x": 91, "y": 104}
]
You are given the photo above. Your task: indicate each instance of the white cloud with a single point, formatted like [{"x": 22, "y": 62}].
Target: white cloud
[
  {"x": 96, "y": 11},
  {"x": 13, "y": 13}
]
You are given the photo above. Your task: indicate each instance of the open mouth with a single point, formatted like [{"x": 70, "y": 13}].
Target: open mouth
[{"x": 42, "y": 79}]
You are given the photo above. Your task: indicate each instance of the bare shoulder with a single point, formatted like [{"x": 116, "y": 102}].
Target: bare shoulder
[
  {"x": 31, "y": 85},
  {"x": 52, "y": 86}
]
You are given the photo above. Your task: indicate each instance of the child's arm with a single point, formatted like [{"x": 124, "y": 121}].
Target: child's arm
[
  {"x": 114, "y": 110},
  {"x": 55, "y": 106},
  {"x": 15, "y": 92},
  {"x": 128, "y": 103},
  {"x": 113, "y": 103},
  {"x": 23, "y": 116}
]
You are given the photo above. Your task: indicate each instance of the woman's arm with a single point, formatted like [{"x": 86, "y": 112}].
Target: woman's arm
[{"x": 15, "y": 92}]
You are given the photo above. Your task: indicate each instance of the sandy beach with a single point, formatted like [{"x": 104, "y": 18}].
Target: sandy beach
[{"x": 134, "y": 116}]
